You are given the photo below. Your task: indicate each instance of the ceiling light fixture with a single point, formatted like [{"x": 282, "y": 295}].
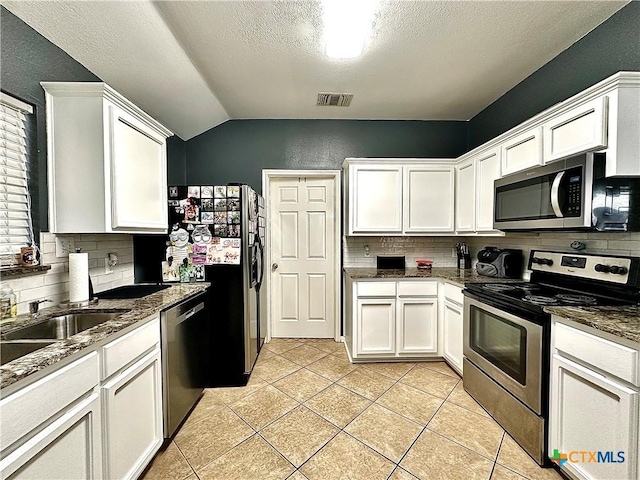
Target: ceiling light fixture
[{"x": 347, "y": 25}]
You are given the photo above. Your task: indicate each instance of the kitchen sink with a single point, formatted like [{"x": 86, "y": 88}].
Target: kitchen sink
[
  {"x": 10, "y": 350},
  {"x": 61, "y": 327}
]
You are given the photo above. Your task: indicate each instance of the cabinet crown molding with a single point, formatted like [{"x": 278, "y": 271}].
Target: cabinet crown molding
[
  {"x": 102, "y": 89},
  {"x": 613, "y": 82}
]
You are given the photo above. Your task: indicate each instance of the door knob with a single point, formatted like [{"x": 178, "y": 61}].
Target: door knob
[{"x": 274, "y": 267}]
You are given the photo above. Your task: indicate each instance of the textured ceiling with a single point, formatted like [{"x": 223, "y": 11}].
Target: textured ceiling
[{"x": 194, "y": 64}]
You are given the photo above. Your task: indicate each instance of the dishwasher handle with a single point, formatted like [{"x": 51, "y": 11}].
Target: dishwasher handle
[
  {"x": 176, "y": 320},
  {"x": 194, "y": 310}
]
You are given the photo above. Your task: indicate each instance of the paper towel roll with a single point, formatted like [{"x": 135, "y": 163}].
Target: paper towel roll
[{"x": 78, "y": 277}]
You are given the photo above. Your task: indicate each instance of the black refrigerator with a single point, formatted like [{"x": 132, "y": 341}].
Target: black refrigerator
[{"x": 216, "y": 234}]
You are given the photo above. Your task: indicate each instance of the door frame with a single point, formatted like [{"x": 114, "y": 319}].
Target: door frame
[{"x": 335, "y": 175}]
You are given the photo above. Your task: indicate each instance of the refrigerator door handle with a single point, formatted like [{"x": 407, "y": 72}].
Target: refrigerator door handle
[{"x": 261, "y": 264}]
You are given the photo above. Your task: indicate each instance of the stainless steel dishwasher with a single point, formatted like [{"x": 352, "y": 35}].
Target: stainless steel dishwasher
[{"x": 182, "y": 328}]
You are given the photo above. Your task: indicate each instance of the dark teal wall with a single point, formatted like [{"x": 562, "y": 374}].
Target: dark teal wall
[
  {"x": 176, "y": 161},
  {"x": 238, "y": 150},
  {"x": 26, "y": 59},
  {"x": 611, "y": 47}
]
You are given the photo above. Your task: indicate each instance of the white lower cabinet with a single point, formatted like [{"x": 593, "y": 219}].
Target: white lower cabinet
[
  {"x": 452, "y": 333},
  {"x": 417, "y": 326},
  {"x": 376, "y": 325},
  {"x": 391, "y": 320},
  {"x": 68, "y": 448},
  {"x": 133, "y": 417},
  {"x": 594, "y": 412},
  {"x": 452, "y": 325},
  {"x": 71, "y": 425}
]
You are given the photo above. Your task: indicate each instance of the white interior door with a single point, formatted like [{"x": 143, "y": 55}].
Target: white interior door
[{"x": 303, "y": 256}]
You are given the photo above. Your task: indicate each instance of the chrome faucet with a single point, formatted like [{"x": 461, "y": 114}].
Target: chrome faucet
[{"x": 35, "y": 306}]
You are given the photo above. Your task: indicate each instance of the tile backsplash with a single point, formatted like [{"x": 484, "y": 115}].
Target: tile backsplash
[
  {"x": 54, "y": 284},
  {"x": 595, "y": 242},
  {"x": 439, "y": 249}
]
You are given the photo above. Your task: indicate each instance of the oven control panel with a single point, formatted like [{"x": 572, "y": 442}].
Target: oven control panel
[{"x": 609, "y": 269}]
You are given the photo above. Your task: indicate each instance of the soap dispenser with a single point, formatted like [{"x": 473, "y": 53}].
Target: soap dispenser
[{"x": 8, "y": 303}]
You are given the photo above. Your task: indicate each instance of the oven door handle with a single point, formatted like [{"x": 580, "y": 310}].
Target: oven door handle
[{"x": 555, "y": 194}]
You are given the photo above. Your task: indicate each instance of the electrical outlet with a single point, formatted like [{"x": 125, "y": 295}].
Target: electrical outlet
[
  {"x": 110, "y": 262},
  {"x": 367, "y": 252},
  {"x": 64, "y": 246}
]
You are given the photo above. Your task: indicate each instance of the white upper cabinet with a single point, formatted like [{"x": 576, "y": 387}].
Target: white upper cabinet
[
  {"x": 107, "y": 168},
  {"x": 602, "y": 118},
  {"x": 474, "y": 192},
  {"x": 581, "y": 129},
  {"x": 375, "y": 196},
  {"x": 399, "y": 196},
  {"x": 138, "y": 171},
  {"x": 465, "y": 196},
  {"x": 487, "y": 172},
  {"x": 428, "y": 199},
  {"x": 522, "y": 151}
]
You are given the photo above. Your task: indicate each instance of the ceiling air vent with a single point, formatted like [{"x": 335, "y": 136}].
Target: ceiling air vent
[{"x": 334, "y": 99}]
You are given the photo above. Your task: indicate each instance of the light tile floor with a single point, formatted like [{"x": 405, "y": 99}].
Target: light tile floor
[{"x": 307, "y": 413}]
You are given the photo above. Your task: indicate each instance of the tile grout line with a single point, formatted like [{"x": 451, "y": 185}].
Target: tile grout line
[
  {"x": 279, "y": 453},
  {"x": 424, "y": 428},
  {"x": 495, "y": 462},
  {"x": 226, "y": 451},
  {"x": 367, "y": 408},
  {"x": 193, "y": 470}
]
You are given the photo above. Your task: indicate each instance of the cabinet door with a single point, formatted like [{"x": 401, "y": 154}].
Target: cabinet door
[
  {"x": 584, "y": 403},
  {"x": 417, "y": 326},
  {"x": 522, "y": 151},
  {"x": 428, "y": 199},
  {"x": 465, "y": 196},
  {"x": 133, "y": 417},
  {"x": 138, "y": 175},
  {"x": 581, "y": 129},
  {"x": 487, "y": 171},
  {"x": 452, "y": 326},
  {"x": 376, "y": 318},
  {"x": 70, "y": 447},
  {"x": 375, "y": 194}
]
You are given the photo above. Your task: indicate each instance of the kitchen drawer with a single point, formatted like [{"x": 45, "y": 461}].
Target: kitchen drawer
[
  {"x": 129, "y": 347},
  {"x": 376, "y": 289},
  {"x": 453, "y": 293},
  {"x": 417, "y": 289},
  {"x": 603, "y": 354},
  {"x": 33, "y": 405}
]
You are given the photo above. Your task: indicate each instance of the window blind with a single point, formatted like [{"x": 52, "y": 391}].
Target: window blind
[{"x": 16, "y": 229}]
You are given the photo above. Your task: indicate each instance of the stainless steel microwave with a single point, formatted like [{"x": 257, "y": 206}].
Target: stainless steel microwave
[{"x": 571, "y": 194}]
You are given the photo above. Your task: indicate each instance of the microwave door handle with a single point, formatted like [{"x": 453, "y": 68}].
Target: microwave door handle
[{"x": 555, "y": 195}]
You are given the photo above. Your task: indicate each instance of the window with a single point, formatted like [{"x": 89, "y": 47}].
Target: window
[{"x": 16, "y": 230}]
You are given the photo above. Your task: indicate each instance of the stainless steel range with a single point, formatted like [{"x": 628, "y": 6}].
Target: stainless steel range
[{"x": 507, "y": 334}]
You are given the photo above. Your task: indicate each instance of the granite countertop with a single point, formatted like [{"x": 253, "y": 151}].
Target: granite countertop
[
  {"x": 450, "y": 274},
  {"x": 132, "y": 310},
  {"x": 622, "y": 322}
]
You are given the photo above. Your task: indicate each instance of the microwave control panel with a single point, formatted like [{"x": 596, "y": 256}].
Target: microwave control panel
[{"x": 574, "y": 193}]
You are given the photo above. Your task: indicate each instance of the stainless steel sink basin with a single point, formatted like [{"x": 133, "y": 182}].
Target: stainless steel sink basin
[
  {"x": 60, "y": 327},
  {"x": 10, "y": 350}
]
